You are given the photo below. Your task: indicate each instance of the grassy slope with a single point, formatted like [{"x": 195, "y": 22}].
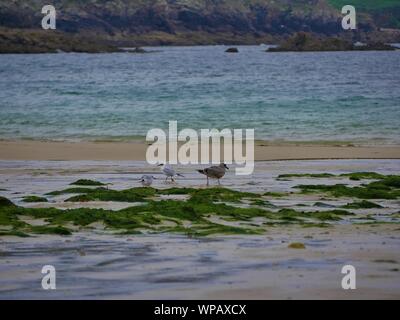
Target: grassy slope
[{"x": 367, "y": 5}]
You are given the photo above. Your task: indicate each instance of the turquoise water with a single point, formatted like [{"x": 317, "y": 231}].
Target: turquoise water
[{"x": 333, "y": 96}]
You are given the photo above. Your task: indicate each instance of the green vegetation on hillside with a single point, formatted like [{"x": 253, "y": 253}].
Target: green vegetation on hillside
[{"x": 366, "y": 4}]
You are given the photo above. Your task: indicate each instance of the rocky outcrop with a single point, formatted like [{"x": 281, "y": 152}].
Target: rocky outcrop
[
  {"x": 172, "y": 16},
  {"x": 232, "y": 50},
  {"x": 40, "y": 41},
  {"x": 303, "y": 42},
  {"x": 186, "y": 22}
]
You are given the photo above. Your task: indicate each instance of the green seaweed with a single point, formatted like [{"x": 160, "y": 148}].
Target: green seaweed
[
  {"x": 221, "y": 194},
  {"x": 362, "y": 205},
  {"x": 143, "y": 194},
  {"x": 34, "y": 199},
  {"x": 151, "y": 214},
  {"x": 363, "y": 175},
  {"x": 14, "y": 233},
  {"x": 306, "y": 175},
  {"x": 275, "y": 194},
  {"x": 102, "y": 194},
  {"x": 315, "y": 225},
  {"x": 333, "y": 215},
  {"x": 4, "y": 202},
  {"x": 386, "y": 188},
  {"x": 60, "y": 230},
  {"x": 352, "y": 176},
  {"x": 323, "y": 205},
  {"x": 262, "y": 203},
  {"x": 87, "y": 182},
  {"x": 73, "y": 190}
]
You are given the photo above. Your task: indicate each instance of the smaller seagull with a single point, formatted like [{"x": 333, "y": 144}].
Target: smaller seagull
[
  {"x": 169, "y": 171},
  {"x": 215, "y": 172},
  {"x": 147, "y": 180}
]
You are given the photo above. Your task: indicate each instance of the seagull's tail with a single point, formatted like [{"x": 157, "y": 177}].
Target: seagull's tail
[
  {"x": 180, "y": 175},
  {"x": 201, "y": 171}
]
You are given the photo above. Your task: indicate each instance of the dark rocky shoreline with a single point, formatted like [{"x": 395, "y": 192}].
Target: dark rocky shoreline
[
  {"x": 41, "y": 41},
  {"x": 306, "y": 42}
]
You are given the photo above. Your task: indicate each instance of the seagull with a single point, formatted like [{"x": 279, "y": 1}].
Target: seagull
[
  {"x": 169, "y": 171},
  {"x": 147, "y": 180},
  {"x": 214, "y": 172}
]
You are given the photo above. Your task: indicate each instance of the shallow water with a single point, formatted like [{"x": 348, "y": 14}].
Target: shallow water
[{"x": 335, "y": 96}]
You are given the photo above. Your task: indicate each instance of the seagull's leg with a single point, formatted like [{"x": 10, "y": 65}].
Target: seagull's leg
[
  {"x": 208, "y": 182},
  {"x": 219, "y": 183},
  {"x": 172, "y": 179}
]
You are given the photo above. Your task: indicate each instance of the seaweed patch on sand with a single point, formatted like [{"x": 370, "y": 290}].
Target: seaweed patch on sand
[
  {"x": 144, "y": 193},
  {"x": 387, "y": 187},
  {"x": 34, "y": 199},
  {"x": 356, "y": 176},
  {"x": 87, "y": 182},
  {"x": 362, "y": 205},
  {"x": 202, "y": 212},
  {"x": 194, "y": 216}
]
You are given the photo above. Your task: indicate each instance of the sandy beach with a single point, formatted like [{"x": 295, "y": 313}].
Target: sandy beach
[{"x": 136, "y": 150}]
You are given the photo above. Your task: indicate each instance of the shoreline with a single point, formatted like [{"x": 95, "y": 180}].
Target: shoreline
[{"x": 136, "y": 150}]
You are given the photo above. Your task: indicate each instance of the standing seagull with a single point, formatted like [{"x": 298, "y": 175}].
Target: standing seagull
[
  {"x": 147, "y": 180},
  {"x": 169, "y": 171},
  {"x": 215, "y": 172}
]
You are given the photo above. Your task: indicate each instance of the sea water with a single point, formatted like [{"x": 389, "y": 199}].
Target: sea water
[{"x": 311, "y": 97}]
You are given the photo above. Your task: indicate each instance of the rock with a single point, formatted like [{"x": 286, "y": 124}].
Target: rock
[
  {"x": 307, "y": 42},
  {"x": 232, "y": 50},
  {"x": 138, "y": 50},
  {"x": 296, "y": 245}
]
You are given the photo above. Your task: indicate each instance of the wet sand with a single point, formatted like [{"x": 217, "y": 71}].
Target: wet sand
[
  {"x": 136, "y": 150},
  {"x": 99, "y": 266}
]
